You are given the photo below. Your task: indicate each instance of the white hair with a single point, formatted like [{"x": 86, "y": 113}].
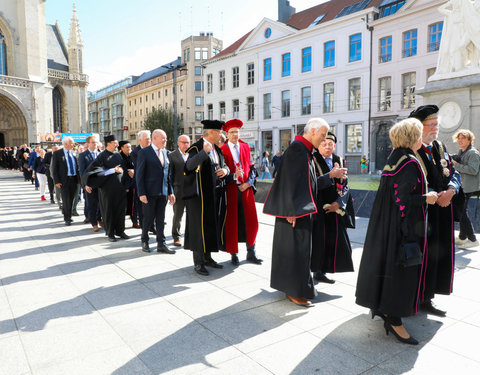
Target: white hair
[
  {"x": 67, "y": 140},
  {"x": 143, "y": 133},
  {"x": 315, "y": 123}
]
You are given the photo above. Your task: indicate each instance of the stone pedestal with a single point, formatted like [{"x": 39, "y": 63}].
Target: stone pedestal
[{"x": 458, "y": 98}]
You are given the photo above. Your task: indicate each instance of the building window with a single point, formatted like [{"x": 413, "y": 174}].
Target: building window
[
  {"x": 135, "y": 101},
  {"x": 181, "y": 116},
  {"x": 210, "y": 111},
  {"x": 306, "y": 100},
  {"x": 434, "y": 36},
  {"x": 410, "y": 43},
  {"x": 354, "y": 138},
  {"x": 355, "y": 47},
  {"x": 198, "y": 86},
  {"x": 153, "y": 96},
  {"x": 222, "y": 111},
  {"x": 250, "y": 74},
  {"x": 186, "y": 55},
  {"x": 166, "y": 93},
  {"x": 209, "y": 83},
  {"x": 390, "y": 8},
  {"x": 141, "y": 114},
  {"x": 251, "y": 108},
  {"x": 235, "y": 77},
  {"x": 267, "y": 141},
  {"x": 408, "y": 90},
  {"x": 166, "y": 106},
  {"x": 267, "y": 106},
  {"x": 146, "y": 111},
  {"x": 286, "y": 103},
  {"x": 198, "y": 100},
  {"x": 286, "y": 65},
  {"x": 198, "y": 70},
  {"x": 235, "y": 108},
  {"x": 159, "y": 94},
  {"x": 385, "y": 49},
  {"x": 198, "y": 53},
  {"x": 267, "y": 69},
  {"x": 307, "y": 59},
  {"x": 329, "y": 54},
  {"x": 140, "y": 100},
  {"x": 181, "y": 102},
  {"x": 385, "y": 93},
  {"x": 353, "y": 94},
  {"x": 204, "y": 53},
  {"x": 285, "y": 139},
  {"x": 215, "y": 51},
  {"x": 198, "y": 116},
  {"x": 221, "y": 80},
  {"x": 328, "y": 97}
]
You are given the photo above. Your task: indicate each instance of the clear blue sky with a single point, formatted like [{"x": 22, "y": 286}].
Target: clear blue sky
[{"x": 123, "y": 37}]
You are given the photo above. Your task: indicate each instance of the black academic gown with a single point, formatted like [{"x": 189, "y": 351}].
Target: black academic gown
[
  {"x": 334, "y": 245},
  {"x": 292, "y": 196},
  {"x": 398, "y": 216},
  {"x": 205, "y": 221},
  {"x": 440, "y": 235},
  {"x": 128, "y": 183},
  {"x": 111, "y": 192}
]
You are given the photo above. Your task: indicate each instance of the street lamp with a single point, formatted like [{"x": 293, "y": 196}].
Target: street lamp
[{"x": 173, "y": 68}]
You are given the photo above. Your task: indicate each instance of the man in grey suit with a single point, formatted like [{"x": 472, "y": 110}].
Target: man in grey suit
[{"x": 177, "y": 164}]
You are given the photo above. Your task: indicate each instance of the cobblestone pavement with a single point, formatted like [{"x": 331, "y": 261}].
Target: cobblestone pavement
[{"x": 73, "y": 303}]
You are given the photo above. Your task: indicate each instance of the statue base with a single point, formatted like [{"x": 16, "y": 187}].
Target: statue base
[{"x": 458, "y": 98}]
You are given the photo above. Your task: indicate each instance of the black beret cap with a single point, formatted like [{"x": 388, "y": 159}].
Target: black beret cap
[
  {"x": 109, "y": 138},
  {"x": 423, "y": 112},
  {"x": 332, "y": 137},
  {"x": 213, "y": 124},
  {"x": 122, "y": 143}
]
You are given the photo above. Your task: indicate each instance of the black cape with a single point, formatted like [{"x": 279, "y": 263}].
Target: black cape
[
  {"x": 334, "y": 245},
  {"x": 292, "y": 195},
  {"x": 205, "y": 221},
  {"x": 398, "y": 216},
  {"x": 440, "y": 234},
  {"x": 111, "y": 192}
]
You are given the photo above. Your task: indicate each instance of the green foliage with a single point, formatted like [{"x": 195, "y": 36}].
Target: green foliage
[{"x": 162, "y": 119}]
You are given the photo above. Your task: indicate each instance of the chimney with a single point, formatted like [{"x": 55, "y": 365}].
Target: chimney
[{"x": 285, "y": 11}]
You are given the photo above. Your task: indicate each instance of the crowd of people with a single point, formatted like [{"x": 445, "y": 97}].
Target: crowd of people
[{"x": 408, "y": 256}]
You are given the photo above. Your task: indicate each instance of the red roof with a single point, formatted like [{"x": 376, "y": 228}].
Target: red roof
[{"x": 303, "y": 19}]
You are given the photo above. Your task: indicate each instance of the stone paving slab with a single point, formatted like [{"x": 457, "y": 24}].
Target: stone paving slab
[{"x": 73, "y": 303}]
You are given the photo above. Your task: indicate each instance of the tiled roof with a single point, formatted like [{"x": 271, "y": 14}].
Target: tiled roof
[
  {"x": 155, "y": 72},
  {"x": 232, "y": 47}
]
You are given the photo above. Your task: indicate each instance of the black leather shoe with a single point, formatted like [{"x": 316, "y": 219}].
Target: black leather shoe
[
  {"x": 68, "y": 222},
  {"x": 75, "y": 213},
  {"x": 145, "y": 247},
  {"x": 235, "y": 260},
  {"x": 52, "y": 201},
  {"x": 322, "y": 278},
  {"x": 213, "y": 264},
  {"x": 430, "y": 308},
  {"x": 201, "y": 270},
  {"x": 112, "y": 239},
  {"x": 165, "y": 249},
  {"x": 124, "y": 236},
  {"x": 87, "y": 220},
  {"x": 254, "y": 259}
]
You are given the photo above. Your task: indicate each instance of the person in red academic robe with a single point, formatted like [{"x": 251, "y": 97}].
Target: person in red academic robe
[{"x": 241, "y": 223}]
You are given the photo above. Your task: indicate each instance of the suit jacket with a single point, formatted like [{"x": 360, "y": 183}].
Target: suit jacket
[
  {"x": 151, "y": 177},
  {"x": 177, "y": 166},
  {"x": 84, "y": 160},
  {"x": 59, "y": 167}
]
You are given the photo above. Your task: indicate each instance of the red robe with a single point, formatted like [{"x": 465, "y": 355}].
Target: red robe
[{"x": 249, "y": 209}]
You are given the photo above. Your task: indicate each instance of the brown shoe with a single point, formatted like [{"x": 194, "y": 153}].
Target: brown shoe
[
  {"x": 100, "y": 222},
  {"x": 177, "y": 243},
  {"x": 136, "y": 225},
  {"x": 300, "y": 301},
  {"x": 95, "y": 228}
]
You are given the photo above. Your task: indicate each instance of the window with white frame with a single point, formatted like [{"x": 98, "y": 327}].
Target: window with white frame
[
  {"x": 353, "y": 94},
  {"x": 221, "y": 80},
  {"x": 209, "y": 83},
  {"x": 286, "y": 103},
  {"x": 267, "y": 106},
  {"x": 235, "y": 77},
  {"x": 235, "y": 108},
  {"x": 385, "y": 93},
  {"x": 328, "y": 97},
  {"x": 250, "y": 108},
  {"x": 408, "y": 90},
  {"x": 306, "y": 100},
  {"x": 250, "y": 74}
]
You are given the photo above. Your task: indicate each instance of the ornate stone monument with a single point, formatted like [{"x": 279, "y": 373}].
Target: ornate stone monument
[{"x": 455, "y": 86}]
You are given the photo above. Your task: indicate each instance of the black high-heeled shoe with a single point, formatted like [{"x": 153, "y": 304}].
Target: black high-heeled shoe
[
  {"x": 377, "y": 313},
  {"x": 389, "y": 328}
]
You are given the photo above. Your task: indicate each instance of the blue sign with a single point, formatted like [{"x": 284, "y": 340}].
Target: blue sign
[{"x": 77, "y": 137}]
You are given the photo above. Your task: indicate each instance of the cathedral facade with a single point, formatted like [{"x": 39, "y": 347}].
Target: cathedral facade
[{"x": 43, "y": 89}]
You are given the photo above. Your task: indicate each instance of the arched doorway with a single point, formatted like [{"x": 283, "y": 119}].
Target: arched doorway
[
  {"x": 12, "y": 123},
  {"x": 58, "y": 110}
]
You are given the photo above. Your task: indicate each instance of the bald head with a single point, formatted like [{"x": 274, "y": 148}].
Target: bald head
[{"x": 159, "y": 138}]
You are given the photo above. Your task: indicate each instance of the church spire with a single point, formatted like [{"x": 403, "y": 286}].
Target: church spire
[
  {"x": 74, "y": 39},
  {"x": 75, "y": 46}
]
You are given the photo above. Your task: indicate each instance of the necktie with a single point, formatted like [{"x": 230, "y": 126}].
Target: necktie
[
  {"x": 160, "y": 156},
  {"x": 329, "y": 162},
  {"x": 237, "y": 152},
  {"x": 70, "y": 164},
  {"x": 428, "y": 151}
]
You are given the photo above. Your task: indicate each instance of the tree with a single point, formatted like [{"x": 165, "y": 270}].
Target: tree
[{"x": 162, "y": 119}]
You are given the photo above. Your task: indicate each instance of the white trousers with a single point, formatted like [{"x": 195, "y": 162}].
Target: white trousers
[{"x": 42, "y": 180}]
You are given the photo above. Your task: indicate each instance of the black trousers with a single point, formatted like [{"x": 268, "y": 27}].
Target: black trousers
[
  {"x": 69, "y": 189},
  {"x": 138, "y": 206},
  {"x": 91, "y": 201},
  {"x": 466, "y": 227},
  {"x": 51, "y": 184},
  {"x": 154, "y": 210},
  {"x": 178, "y": 209}
]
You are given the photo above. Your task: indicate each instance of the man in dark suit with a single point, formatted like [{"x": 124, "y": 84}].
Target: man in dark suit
[
  {"x": 51, "y": 186},
  {"x": 143, "y": 138},
  {"x": 177, "y": 165},
  {"x": 91, "y": 194},
  {"x": 66, "y": 176},
  {"x": 154, "y": 187}
]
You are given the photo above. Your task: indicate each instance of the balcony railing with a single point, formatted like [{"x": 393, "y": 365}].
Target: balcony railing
[
  {"x": 60, "y": 74},
  {"x": 14, "y": 81}
]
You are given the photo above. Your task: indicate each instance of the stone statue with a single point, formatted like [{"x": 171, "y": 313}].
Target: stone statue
[{"x": 460, "y": 45}]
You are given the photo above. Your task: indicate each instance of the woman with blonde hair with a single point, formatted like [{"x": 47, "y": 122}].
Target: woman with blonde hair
[
  {"x": 391, "y": 270},
  {"x": 467, "y": 163}
]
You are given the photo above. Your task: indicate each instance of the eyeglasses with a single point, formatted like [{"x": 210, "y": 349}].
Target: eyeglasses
[
  {"x": 184, "y": 142},
  {"x": 233, "y": 132}
]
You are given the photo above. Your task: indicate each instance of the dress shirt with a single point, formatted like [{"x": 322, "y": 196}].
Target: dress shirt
[
  {"x": 235, "y": 150},
  {"x": 213, "y": 154},
  {"x": 159, "y": 154},
  {"x": 184, "y": 155},
  {"x": 70, "y": 162}
]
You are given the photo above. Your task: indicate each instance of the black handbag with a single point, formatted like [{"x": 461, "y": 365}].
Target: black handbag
[
  {"x": 191, "y": 185},
  {"x": 410, "y": 254}
]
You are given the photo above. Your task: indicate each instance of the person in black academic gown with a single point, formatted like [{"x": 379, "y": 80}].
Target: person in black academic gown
[
  {"x": 205, "y": 227},
  {"x": 292, "y": 200},
  {"x": 128, "y": 181},
  {"x": 446, "y": 181},
  {"x": 105, "y": 172},
  {"x": 398, "y": 217},
  {"x": 332, "y": 216}
]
